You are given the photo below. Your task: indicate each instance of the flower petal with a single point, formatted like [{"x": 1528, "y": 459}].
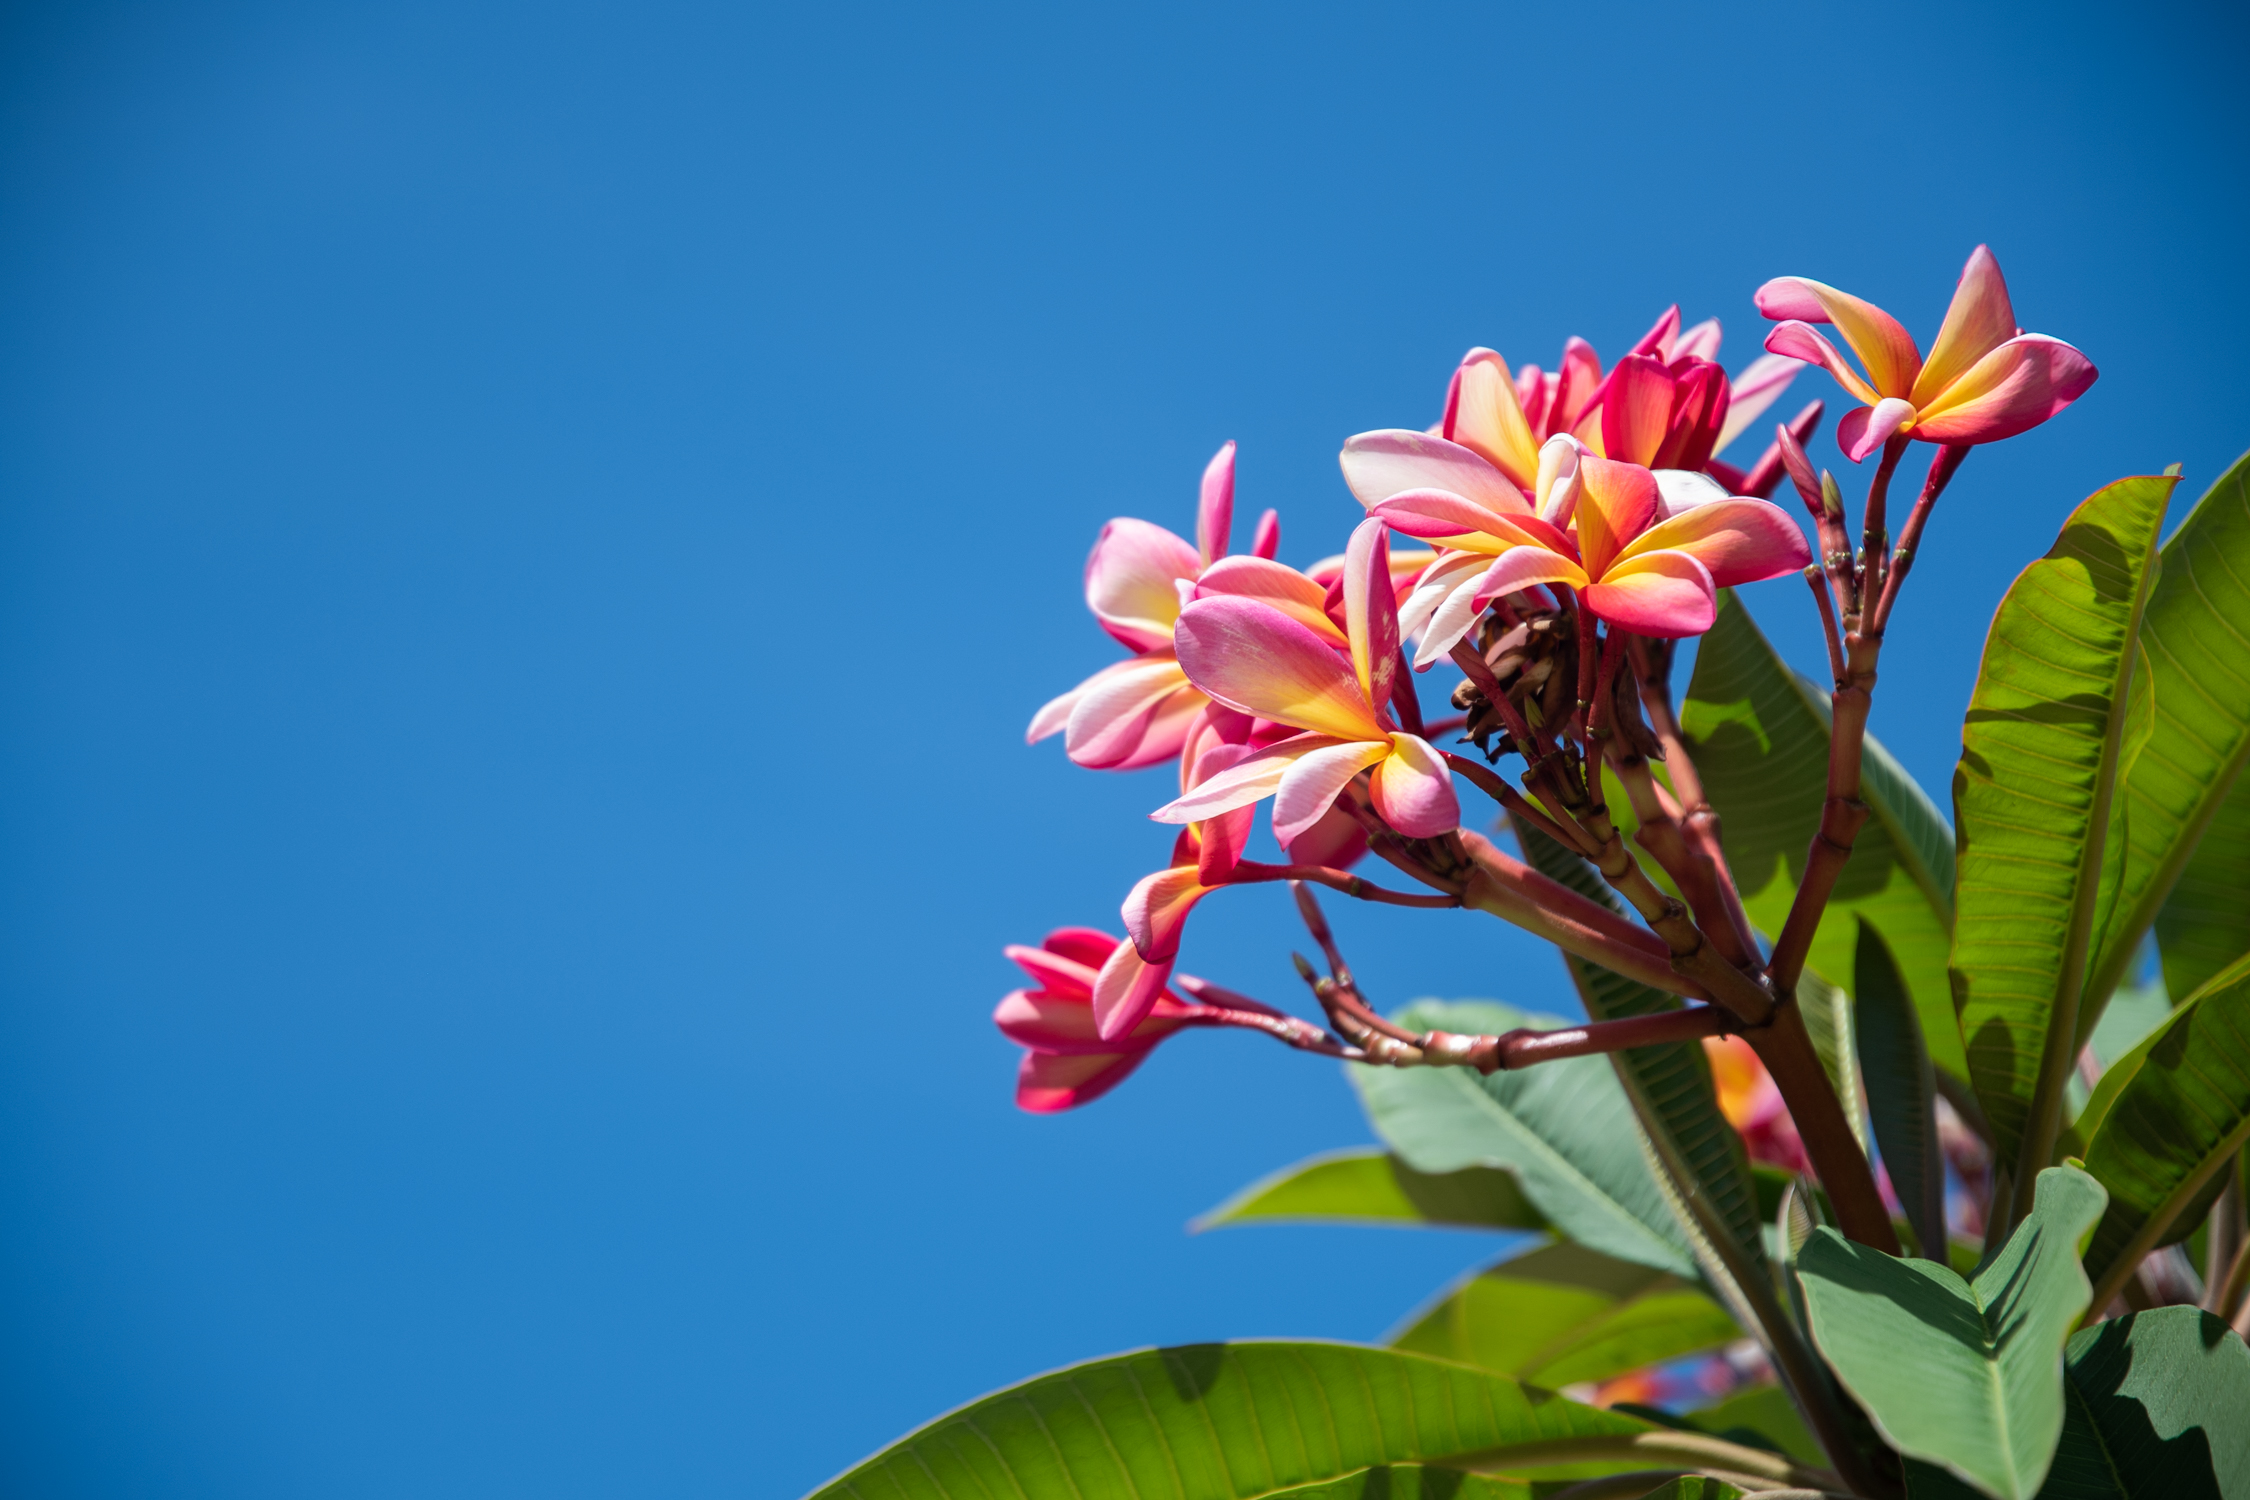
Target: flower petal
[
  {"x": 1659, "y": 337},
  {"x": 1462, "y": 525},
  {"x": 1241, "y": 784},
  {"x": 1863, "y": 429},
  {"x": 2017, "y": 386},
  {"x": 1132, "y": 715},
  {"x": 1048, "y": 1083},
  {"x": 1056, "y": 974},
  {"x": 1580, "y": 378},
  {"x": 1126, "y": 990},
  {"x": 1521, "y": 569},
  {"x": 1413, "y": 790},
  {"x": 1252, "y": 657},
  {"x": 1378, "y": 465},
  {"x": 1619, "y": 502},
  {"x": 1885, "y": 349},
  {"x": 1156, "y": 910},
  {"x": 1699, "y": 342},
  {"x": 1758, "y": 386},
  {"x": 1130, "y": 581},
  {"x": 1483, "y": 415},
  {"x": 1214, "y": 515},
  {"x": 1064, "y": 1025},
  {"x": 1310, "y": 786},
  {"x": 1086, "y": 945},
  {"x": 1266, "y": 540},
  {"x": 1661, "y": 594},
  {"x": 1699, "y": 410},
  {"x": 1684, "y": 489},
  {"x": 1336, "y": 841},
  {"x": 1284, "y": 588},
  {"x": 1802, "y": 342},
  {"x": 1444, "y": 605},
  {"x": 1371, "y": 611},
  {"x": 1636, "y": 409},
  {"x": 1737, "y": 540},
  {"x": 1979, "y": 320}
]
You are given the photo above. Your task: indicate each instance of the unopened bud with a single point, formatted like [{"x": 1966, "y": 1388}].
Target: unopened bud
[{"x": 1831, "y": 495}]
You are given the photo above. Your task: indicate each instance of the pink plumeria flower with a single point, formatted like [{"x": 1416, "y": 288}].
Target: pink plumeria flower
[
  {"x": 1066, "y": 1062},
  {"x": 1985, "y": 378},
  {"x": 1136, "y": 713},
  {"x": 1255, "y": 658},
  {"x": 1649, "y": 564},
  {"x": 1667, "y": 405}
]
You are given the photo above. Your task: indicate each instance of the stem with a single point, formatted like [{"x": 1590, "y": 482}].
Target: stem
[
  {"x": 1251, "y": 872},
  {"x": 1827, "y": 626},
  {"x": 1875, "y": 541},
  {"x": 1493, "y": 785},
  {"x": 1942, "y": 469},
  {"x": 1653, "y": 668},
  {"x": 1787, "y": 1051},
  {"x": 1514, "y": 892}
]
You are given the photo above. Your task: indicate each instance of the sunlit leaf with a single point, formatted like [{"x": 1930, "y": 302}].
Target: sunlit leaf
[
  {"x": 2040, "y": 749},
  {"x": 1367, "y": 1185},
  {"x": 1966, "y": 1375}
]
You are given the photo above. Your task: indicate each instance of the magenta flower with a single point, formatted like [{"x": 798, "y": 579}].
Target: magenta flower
[
  {"x": 1137, "y": 712},
  {"x": 1985, "y": 378},
  {"x": 1066, "y": 1062},
  {"x": 1261, "y": 660}
]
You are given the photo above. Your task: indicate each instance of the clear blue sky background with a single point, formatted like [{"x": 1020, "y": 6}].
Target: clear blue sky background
[{"x": 531, "y": 534}]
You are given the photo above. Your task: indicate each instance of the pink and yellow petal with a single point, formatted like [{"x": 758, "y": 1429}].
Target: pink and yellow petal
[
  {"x": 1886, "y": 350},
  {"x": 1132, "y": 581},
  {"x": 1979, "y": 320},
  {"x": 1413, "y": 790},
  {"x": 1253, "y": 657},
  {"x": 2017, "y": 386},
  {"x": 1521, "y": 569},
  {"x": 1240, "y": 785},
  {"x": 1378, "y": 465},
  {"x": 1484, "y": 415},
  {"x": 1284, "y": 588},
  {"x": 1371, "y": 611},
  {"x": 1618, "y": 503},
  {"x": 1863, "y": 429},
  {"x": 1214, "y": 512},
  {"x": 1308, "y": 790},
  {"x": 1737, "y": 540},
  {"x": 1661, "y": 594}
]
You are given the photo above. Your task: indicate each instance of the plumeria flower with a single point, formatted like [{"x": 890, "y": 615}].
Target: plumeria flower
[
  {"x": 1259, "y": 660},
  {"x": 1752, "y": 1104},
  {"x": 1985, "y": 378},
  {"x": 1137, "y": 712},
  {"x": 1066, "y": 1062},
  {"x": 1649, "y": 563},
  {"x": 1667, "y": 404}
]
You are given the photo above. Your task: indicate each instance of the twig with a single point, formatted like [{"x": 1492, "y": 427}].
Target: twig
[
  {"x": 1942, "y": 469},
  {"x": 1252, "y": 872}
]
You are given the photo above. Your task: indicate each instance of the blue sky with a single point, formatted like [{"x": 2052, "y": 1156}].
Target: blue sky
[{"x": 531, "y": 534}]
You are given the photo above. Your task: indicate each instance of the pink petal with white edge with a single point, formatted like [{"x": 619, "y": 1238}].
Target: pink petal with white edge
[
  {"x": 1661, "y": 594},
  {"x": 1413, "y": 790},
  {"x": 1462, "y": 525},
  {"x": 1758, "y": 386},
  {"x": 1802, "y": 342},
  {"x": 1131, "y": 581},
  {"x": 1863, "y": 429},
  {"x": 2017, "y": 386},
  {"x": 1132, "y": 715},
  {"x": 1086, "y": 945},
  {"x": 1240, "y": 785},
  {"x": 1157, "y": 908},
  {"x": 1521, "y": 569},
  {"x": 1371, "y": 609},
  {"x": 1048, "y": 1083},
  {"x": 1979, "y": 320},
  {"x": 1619, "y": 502},
  {"x": 1309, "y": 788},
  {"x": 1284, "y": 588},
  {"x": 1699, "y": 342},
  {"x": 1214, "y": 515},
  {"x": 1886, "y": 351},
  {"x": 1736, "y": 539},
  {"x": 1378, "y": 465},
  {"x": 1253, "y": 657},
  {"x": 1125, "y": 991},
  {"x": 1443, "y": 605},
  {"x": 1683, "y": 490}
]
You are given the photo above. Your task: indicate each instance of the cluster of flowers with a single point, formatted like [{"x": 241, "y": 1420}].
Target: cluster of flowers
[{"x": 1543, "y": 506}]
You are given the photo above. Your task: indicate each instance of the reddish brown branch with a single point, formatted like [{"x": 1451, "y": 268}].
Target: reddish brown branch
[
  {"x": 1942, "y": 469},
  {"x": 1251, "y": 872}
]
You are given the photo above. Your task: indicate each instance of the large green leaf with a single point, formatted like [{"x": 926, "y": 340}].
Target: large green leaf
[
  {"x": 1410, "y": 1482},
  {"x": 1675, "y": 1080},
  {"x": 1760, "y": 737},
  {"x": 1760, "y": 1416},
  {"x": 2204, "y": 924},
  {"x": 1228, "y": 1422},
  {"x": 1902, "y": 1088},
  {"x": 1963, "y": 1374},
  {"x": 1367, "y": 1185},
  {"x": 1563, "y": 1313},
  {"x": 2197, "y": 636},
  {"x": 2166, "y": 1118},
  {"x": 2032, "y": 795}
]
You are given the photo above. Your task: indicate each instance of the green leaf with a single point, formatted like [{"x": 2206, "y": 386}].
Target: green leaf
[
  {"x": 1759, "y": 733},
  {"x": 1410, "y": 1482},
  {"x": 1564, "y": 1128},
  {"x": 2197, "y": 636},
  {"x": 1367, "y": 1185},
  {"x": 1902, "y": 1088},
  {"x": 1220, "y": 1422},
  {"x": 2039, "y": 753},
  {"x": 1675, "y": 1080},
  {"x": 1963, "y": 1374},
  {"x": 1828, "y": 1023},
  {"x": 2204, "y": 924},
  {"x": 2166, "y": 1118},
  {"x": 2160, "y": 1410},
  {"x": 1563, "y": 1313},
  {"x": 1761, "y": 1416},
  {"x": 1695, "y": 1487}
]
